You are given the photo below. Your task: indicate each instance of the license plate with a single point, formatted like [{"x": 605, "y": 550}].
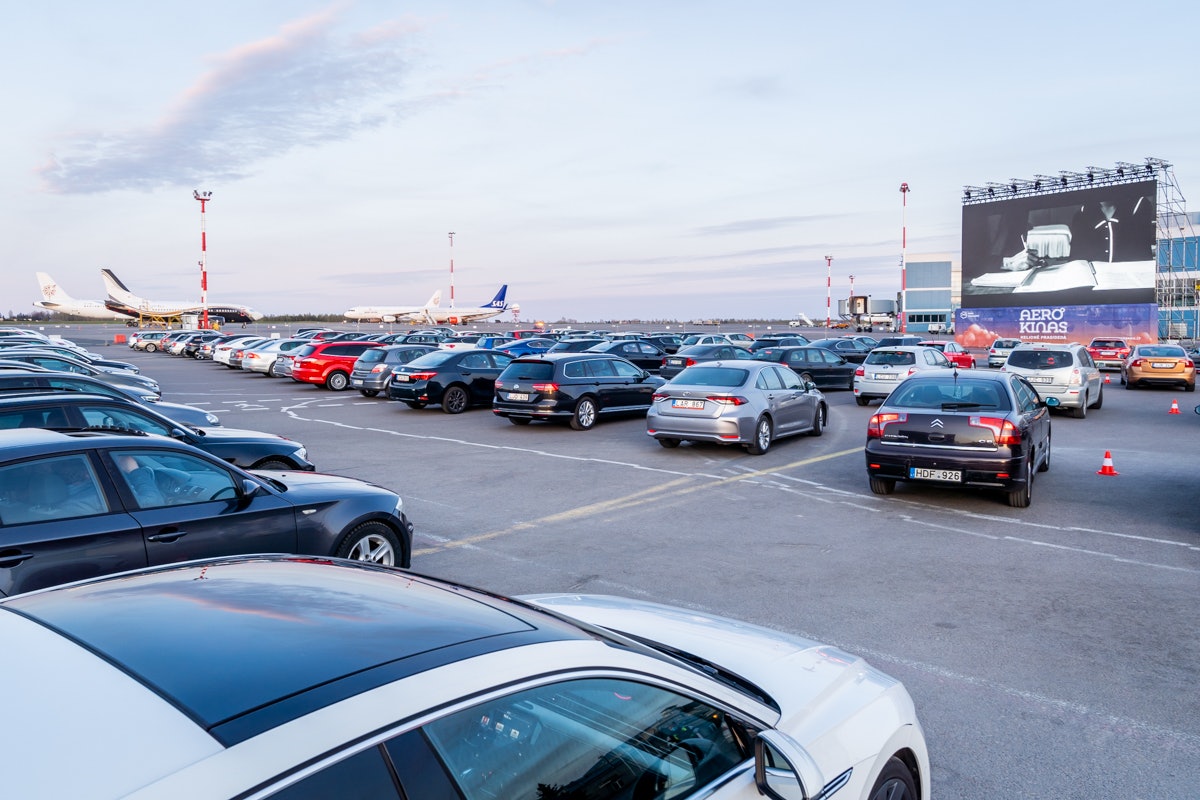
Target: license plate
[
  {"x": 687, "y": 404},
  {"x": 518, "y": 396},
  {"x": 884, "y": 376},
  {"x": 401, "y": 377},
  {"x": 356, "y": 382},
  {"x": 1041, "y": 379},
  {"x": 922, "y": 474},
  {"x": 1161, "y": 365},
  {"x": 1108, "y": 352},
  {"x": 674, "y": 362}
]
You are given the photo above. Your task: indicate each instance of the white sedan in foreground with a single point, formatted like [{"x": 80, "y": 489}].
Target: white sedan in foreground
[{"x": 292, "y": 677}]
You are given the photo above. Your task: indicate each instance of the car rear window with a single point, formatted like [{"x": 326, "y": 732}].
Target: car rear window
[
  {"x": 712, "y": 376},
  {"x": 306, "y": 351},
  {"x": 527, "y": 371},
  {"x": 373, "y": 355},
  {"x": 896, "y": 358},
  {"x": 987, "y": 395},
  {"x": 1005, "y": 344},
  {"x": 1040, "y": 359},
  {"x": 434, "y": 359},
  {"x": 1107, "y": 343},
  {"x": 1161, "y": 351}
]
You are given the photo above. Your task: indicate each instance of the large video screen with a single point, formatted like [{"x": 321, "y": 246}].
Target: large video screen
[{"x": 1087, "y": 247}]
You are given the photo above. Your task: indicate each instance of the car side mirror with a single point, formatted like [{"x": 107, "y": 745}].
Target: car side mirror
[
  {"x": 809, "y": 386},
  {"x": 250, "y": 488},
  {"x": 783, "y": 770}
]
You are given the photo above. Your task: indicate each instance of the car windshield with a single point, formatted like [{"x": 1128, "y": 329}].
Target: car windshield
[
  {"x": 894, "y": 358},
  {"x": 1039, "y": 359},
  {"x": 727, "y": 377},
  {"x": 948, "y": 395}
]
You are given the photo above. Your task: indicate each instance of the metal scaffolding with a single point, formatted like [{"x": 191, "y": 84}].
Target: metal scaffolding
[{"x": 1178, "y": 273}]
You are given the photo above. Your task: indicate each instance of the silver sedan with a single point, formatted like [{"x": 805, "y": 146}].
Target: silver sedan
[{"x": 736, "y": 402}]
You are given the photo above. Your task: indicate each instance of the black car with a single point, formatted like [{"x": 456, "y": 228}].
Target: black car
[
  {"x": 971, "y": 428},
  {"x": 454, "y": 379},
  {"x": 849, "y": 349},
  {"x": 574, "y": 345},
  {"x": 81, "y": 412},
  {"x": 685, "y": 357},
  {"x": 25, "y": 382},
  {"x": 74, "y": 506},
  {"x": 64, "y": 364},
  {"x": 669, "y": 342},
  {"x": 823, "y": 367},
  {"x": 789, "y": 340},
  {"x": 638, "y": 352},
  {"x": 372, "y": 372},
  {"x": 578, "y": 387}
]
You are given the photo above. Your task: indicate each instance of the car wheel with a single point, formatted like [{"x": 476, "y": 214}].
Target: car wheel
[
  {"x": 373, "y": 542},
  {"x": 455, "y": 400},
  {"x": 273, "y": 370},
  {"x": 337, "y": 381},
  {"x": 1099, "y": 399},
  {"x": 369, "y": 392},
  {"x": 1128, "y": 383},
  {"x": 806, "y": 378},
  {"x": 862, "y": 401},
  {"x": 1189, "y": 387},
  {"x": 670, "y": 444},
  {"x": 414, "y": 403},
  {"x": 150, "y": 348},
  {"x": 1045, "y": 467},
  {"x": 819, "y": 420},
  {"x": 895, "y": 782},
  {"x": 273, "y": 463},
  {"x": 882, "y": 485},
  {"x": 1081, "y": 412},
  {"x": 584, "y": 416},
  {"x": 1020, "y": 497},
  {"x": 850, "y": 383},
  {"x": 762, "y": 437}
]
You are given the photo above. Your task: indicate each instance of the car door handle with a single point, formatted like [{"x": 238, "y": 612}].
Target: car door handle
[
  {"x": 166, "y": 535},
  {"x": 12, "y": 559}
]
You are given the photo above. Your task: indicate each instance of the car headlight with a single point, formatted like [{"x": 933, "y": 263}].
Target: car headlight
[
  {"x": 213, "y": 419},
  {"x": 302, "y": 453},
  {"x": 399, "y": 511}
]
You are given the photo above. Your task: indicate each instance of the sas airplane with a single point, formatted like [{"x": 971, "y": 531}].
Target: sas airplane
[
  {"x": 392, "y": 313},
  {"x": 457, "y": 316},
  {"x": 120, "y": 299},
  {"x": 54, "y": 298}
]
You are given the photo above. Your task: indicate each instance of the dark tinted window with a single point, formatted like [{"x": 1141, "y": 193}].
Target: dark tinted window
[
  {"x": 435, "y": 358},
  {"x": 374, "y": 355},
  {"x": 1040, "y": 359},
  {"x": 305, "y": 351},
  {"x": 895, "y": 358},
  {"x": 364, "y": 776},
  {"x": 712, "y": 376},
  {"x": 527, "y": 371},
  {"x": 60, "y": 487}
]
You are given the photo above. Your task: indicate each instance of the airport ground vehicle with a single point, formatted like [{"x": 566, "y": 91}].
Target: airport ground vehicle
[
  {"x": 578, "y": 387},
  {"x": 447, "y": 691}
]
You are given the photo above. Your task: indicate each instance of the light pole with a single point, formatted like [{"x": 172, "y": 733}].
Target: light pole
[
  {"x": 203, "y": 197},
  {"x": 451, "y": 269},
  {"x": 903, "y": 266},
  {"x": 828, "y": 290}
]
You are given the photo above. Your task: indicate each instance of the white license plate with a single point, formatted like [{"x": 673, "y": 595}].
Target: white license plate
[
  {"x": 356, "y": 382},
  {"x": 922, "y": 474},
  {"x": 401, "y": 377},
  {"x": 884, "y": 376},
  {"x": 518, "y": 396},
  {"x": 674, "y": 362},
  {"x": 687, "y": 404},
  {"x": 1161, "y": 365},
  {"x": 1108, "y": 352},
  {"x": 1041, "y": 379}
]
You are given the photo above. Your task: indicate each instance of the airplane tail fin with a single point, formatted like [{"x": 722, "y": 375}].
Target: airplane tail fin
[
  {"x": 435, "y": 300},
  {"x": 51, "y": 291},
  {"x": 498, "y": 300},
  {"x": 116, "y": 289}
]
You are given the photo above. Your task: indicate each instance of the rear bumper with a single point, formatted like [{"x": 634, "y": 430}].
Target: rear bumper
[
  {"x": 1003, "y": 470},
  {"x": 722, "y": 430},
  {"x": 546, "y": 409}
]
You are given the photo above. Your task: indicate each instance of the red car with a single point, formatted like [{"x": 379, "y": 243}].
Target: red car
[
  {"x": 955, "y": 352},
  {"x": 1110, "y": 353},
  {"x": 327, "y": 364}
]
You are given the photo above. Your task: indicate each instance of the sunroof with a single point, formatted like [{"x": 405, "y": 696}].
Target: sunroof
[{"x": 274, "y": 638}]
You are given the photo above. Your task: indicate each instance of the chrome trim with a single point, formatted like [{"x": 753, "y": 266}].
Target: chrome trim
[{"x": 991, "y": 449}]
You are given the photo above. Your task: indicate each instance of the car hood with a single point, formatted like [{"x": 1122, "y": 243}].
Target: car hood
[
  {"x": 309, "y": 487},
  {"x": 813, "y": 684},
  {"x": 220, "y": 435}
]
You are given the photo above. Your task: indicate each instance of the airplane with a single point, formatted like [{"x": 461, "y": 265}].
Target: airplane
[
  {"x": 54, "y": 298},
  {"x": 458, "y": 316},
  {"x": 392, "y": 313},
  {"x": 126, "y": 302}
]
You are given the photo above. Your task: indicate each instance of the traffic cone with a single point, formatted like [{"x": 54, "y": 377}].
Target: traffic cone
[
  {"x": 1174, "y": 407},
  {"x": 1107, "y": 379},
  {"x": 1106, "y": 467}
]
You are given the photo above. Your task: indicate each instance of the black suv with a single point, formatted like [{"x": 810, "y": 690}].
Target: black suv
[
  {"x": 573, "y": 386},
  {"x": 81, "y": 412},
  {"x": 73, "y": 506}
]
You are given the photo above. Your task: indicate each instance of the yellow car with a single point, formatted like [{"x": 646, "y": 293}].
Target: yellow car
[{"x": 1159, "y": 363}]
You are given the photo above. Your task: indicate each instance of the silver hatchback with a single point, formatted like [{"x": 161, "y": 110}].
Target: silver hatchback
[
  {"x": 885, "y": 367},
  {"x": 1063, "y": 375}
]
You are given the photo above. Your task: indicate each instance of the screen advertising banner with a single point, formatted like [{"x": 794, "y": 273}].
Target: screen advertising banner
[
  {"x": 1092, "y": 246},
  {"x": 1136, "y": 323}
]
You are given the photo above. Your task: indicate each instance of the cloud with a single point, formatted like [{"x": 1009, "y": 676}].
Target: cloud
[
  {"x": 302, "y": 87},
  {"x": 764, "y": 224}
]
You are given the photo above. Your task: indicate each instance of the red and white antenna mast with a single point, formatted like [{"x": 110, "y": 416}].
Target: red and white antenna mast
[
  {"x": 903, "y": 267},
  {"x": 203, "y": 197},
  {"x": 452, "y": 269},
  {"x": 828, "y": 290}
]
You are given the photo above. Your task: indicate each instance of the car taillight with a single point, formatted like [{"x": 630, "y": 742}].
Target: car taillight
[
  {"x": 860, "y": 372},
  {"x": 1137, "y": 362},
  {"x": 913, "y": 370},
  {"x": 378, "y": 368},
  {"x": 1188, "y": 364},
  {"x": 659, "y": 396},
  {"x": 691, "y": 362},
  {"x": 1003, "y": 430},
  {"x": 1076, "y": 379},
  {"x": 545, "y": 388},
  {"x": 421, "y": 376},
  {"x": 880, "y": 421},
  {"x": 727, "y": 400}
]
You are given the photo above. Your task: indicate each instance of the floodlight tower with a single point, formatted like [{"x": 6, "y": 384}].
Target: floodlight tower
[
  {"x": 903, "y": 248},
  {"x": 452, "y": 269},
  {"x": 828, "y": 290},
  {"x": 203, "y": 197}
]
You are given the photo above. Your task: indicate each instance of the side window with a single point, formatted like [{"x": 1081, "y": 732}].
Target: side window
[
  {"x": 768, "y": 379},
  {"x": 474, "y": 361},
  {"x": 500, "y": 360},
  {"x": 626, "y": 370},
  {"x": 831, "y": 358},
  {"x": 363, "y": 776},
  {"x": 61, "y": 487},
  {"x": 574, "y": 369},
  {"x": 1027, "y": 397},
  {"x": 598, "y": 738},
  {"x": 789, "y": 379},
  {"x": 157, "y": 478},
  {"x": 129, "y": 419},
  {"x": 599, "y": 368}
]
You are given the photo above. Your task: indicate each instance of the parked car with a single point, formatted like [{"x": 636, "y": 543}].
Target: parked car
[
  {"x": 1063, "y": 374},
  {"x": 223, "y": 351},
  {"x": 453, "y": 379},
  {"x": 577, "y": 387},
  {"x": 639, "y": 353},
  {"x": 998, "y": 352},
  {"x": 372, "y": 372},
  {"x": 76, "y": 506},
  {"x": 19, "y": 382},
  {"x": 885, "y": 367},
  {"x": 569, "y": 345},
  {"x": 750, "y": 403},
  {"x": 786, "y": 340},
  {"x": 357, "y": 680},
  {"x": 667, "y": 342},
  {"x": 849, "y": 349},
  {"x": 1110, "y": 353},
  {"x": 707, "y": 338},
  {"x": 525, "y": 347},
  {"x": 74, "y": 353},
  {"x": 1159, "y": 364},
  {"x": 471, "y": 341},
  {"x": 955, "y": 352},
  {"x": 146, "y": 340},
  {"x": 691, "y": 355},
  {"x": 823, "y": 367},
  {"x": 64, "y": 364},
  {"x": 327, "y": 363},
  {"x": 899, "y": 340},
  {"x": 86, "y": 412},
  {"x": 977, "y": 429}
]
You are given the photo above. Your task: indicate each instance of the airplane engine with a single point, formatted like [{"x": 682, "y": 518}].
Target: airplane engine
[{"x": 388, "y": 318}]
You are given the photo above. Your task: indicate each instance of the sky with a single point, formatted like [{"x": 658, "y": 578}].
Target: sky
[{"x": 613, "y": 160}]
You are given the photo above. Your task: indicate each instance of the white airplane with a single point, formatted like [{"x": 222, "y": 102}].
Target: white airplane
[
  {"x": 54, "y": 298},
  {"x": 457, "y": 316},
  {"x": 122, "y": 300},
  {"x": 392, "y": 313}
]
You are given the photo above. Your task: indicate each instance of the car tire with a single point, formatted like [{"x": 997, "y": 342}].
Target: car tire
[
  {"x": 761, "y": 442},
  {"x": 273, "y": 463},
  {"x": 150, "y": 348},
  {"x": 455, "y": 400},
  {"x": 373, "y": 542},
  {"x": 1128, "y": 384},
  {"x": 414, "y": 403},
  {"x": 337, "y": 381},
  {"x": 369, "y": 392},
  {"x": 520, "y": 420},
  {"x": 1081, "y": 412},
  {"x": 850, "y": 383},
  {"x": 895, "y": 782},
  {"x": 583, "y": 418},
  {"x": 806, "y": 377},
  {"x": 670, "y": 444},
  {"x": 1045, "y": 465},
  {"x": 882, "y": 485},
  {"x": 863, "y": 401},
  {"x": 1189, "y": 387},
  {"x": 1099, "y": 400},
  {"x": 1022, "y": 496},
  {"x": 819, "y": 420}
]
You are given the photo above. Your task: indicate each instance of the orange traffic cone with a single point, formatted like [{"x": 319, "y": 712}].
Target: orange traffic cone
[
  {"x": 1174, "y": 407},
  {"x": 1107, "y": 379},
  {"x": 1106, "y": 467}
]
